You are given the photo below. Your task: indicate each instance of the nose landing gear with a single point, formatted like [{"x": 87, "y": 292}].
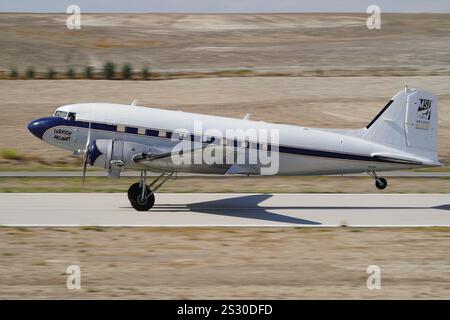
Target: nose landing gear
[
  {"x": 141, "y": 195},
  {"x": 380, "y": 183}
]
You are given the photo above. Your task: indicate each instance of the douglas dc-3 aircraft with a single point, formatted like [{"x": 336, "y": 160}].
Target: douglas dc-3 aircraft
[{"x": 128, "y": 137}]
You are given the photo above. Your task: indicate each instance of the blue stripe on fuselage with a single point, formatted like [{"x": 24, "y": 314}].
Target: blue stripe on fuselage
[{"x": 281, "y": 149}]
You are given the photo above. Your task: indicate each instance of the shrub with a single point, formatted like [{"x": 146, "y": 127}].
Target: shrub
[
  {"x": 109, "y": 70},
  {"x": 127, "y": 71},
  {"x": 51, "y": 73},
  {"x": 11, "y": 154},
  {"x": 13, "y": 73},
  {"x": 30, "y": 73},
  {"x": 88, "y": 72},
  {"x": 93, "y": 228},
  {"x": 70, "y": 73},
  {"x": 319, "y": 72},
  {"x": 145, "y": 73}
]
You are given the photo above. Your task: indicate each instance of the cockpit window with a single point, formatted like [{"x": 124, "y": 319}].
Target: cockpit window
[
  {"x": 59, "y": 113},
  {"x": 71, "y": 116},
  {"x": 66, "y": 115}
]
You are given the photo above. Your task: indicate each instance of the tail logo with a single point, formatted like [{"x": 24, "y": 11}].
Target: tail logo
[{"x": 423, "y": 114}]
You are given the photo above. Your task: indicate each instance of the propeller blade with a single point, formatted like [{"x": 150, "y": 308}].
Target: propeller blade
[
  {"x": 86, "y": 153},
  {"x": 84, "y": 168},
  {"x": 88, "y": 140}
]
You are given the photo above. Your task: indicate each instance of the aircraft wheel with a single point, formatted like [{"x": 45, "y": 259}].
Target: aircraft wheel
[
  {"x": 381, "y": 183},
  {"x": 135, "y": 197},
  {"x": 134, "y": 188}
]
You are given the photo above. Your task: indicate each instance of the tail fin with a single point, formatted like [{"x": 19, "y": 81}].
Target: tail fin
[{"x": 408, "y": 122}]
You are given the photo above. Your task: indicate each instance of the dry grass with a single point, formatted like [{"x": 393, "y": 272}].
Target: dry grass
[
  {"x": 230, "y": 184},
  {"x": 224, "y": 263}
]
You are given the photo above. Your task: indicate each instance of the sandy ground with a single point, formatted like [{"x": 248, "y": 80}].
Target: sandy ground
[
  {"x": 224, "y": 263},
  {"x": 347, "y": 102},
  {"x": 277, "y": 42}
]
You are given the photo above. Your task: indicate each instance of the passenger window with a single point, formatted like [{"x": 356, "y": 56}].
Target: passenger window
[
  {"x": 244, "y": 144},
  {"x": 162, "y": 133},
  {"x": 207, "y": 139},
  {"x": 183, "y": 136}
]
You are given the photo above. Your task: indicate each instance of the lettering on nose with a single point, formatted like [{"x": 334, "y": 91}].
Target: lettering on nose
[{"x": 62, "y": 135}]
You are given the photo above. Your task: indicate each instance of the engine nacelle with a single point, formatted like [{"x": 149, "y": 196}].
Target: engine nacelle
[{"x": 113, "y": 155}]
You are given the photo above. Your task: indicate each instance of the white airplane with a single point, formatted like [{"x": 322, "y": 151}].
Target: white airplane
[{"x": 128, "y": 137}]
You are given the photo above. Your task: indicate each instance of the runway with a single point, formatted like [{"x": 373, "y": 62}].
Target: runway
[{"x": 197, "y": 209}]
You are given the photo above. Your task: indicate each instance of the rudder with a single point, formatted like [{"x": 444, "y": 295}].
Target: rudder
[{"x": 408, "y": 122}]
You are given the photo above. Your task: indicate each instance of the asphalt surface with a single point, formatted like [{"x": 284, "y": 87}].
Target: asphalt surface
[{"x": 314, "y": 210}]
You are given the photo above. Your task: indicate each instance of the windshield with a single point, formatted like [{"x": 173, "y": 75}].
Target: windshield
[
  {"x": 64, "y": 114},
  {"x": 58, "y": 113}
]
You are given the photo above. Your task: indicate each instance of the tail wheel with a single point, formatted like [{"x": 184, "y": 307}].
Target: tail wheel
[
  {"x": 381, "y": 183},
  {"x": 137, "y": 201}
]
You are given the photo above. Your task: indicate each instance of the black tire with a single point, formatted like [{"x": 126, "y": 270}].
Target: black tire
[
  {"x": 381, "y": 183},
  {"x": 135, "y": 194},
  {"x": 134, "y": 188}
]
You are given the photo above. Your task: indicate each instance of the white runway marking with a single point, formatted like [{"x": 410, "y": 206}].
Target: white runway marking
[{"x": 315, "y": 210}]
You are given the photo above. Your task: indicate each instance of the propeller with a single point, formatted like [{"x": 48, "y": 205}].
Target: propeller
[{"x": 86, "y": 153}]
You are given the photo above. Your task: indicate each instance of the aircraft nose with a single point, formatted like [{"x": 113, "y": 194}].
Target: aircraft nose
[{"x": 39, "y": 126}]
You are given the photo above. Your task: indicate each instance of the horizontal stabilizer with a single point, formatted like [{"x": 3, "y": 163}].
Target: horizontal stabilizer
[{"x": 396, "y": 158}]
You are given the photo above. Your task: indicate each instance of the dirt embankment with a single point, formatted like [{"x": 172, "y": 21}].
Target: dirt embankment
[{"x": 289, "y": 44}]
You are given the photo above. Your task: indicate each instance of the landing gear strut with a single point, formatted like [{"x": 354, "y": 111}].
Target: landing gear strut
[
  {"x": 380, "y": 183},
  {"x": 141, "y": 195}
]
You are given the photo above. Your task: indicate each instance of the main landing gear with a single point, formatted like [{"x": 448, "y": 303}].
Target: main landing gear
[
  {"x": 141, "y": 195},
  {"x": 380, "y": 183}
]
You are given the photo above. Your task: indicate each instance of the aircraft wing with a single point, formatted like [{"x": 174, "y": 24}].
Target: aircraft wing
[
  {"x": 243, "y": 169},
  {"x": 162, "y": 152}
]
